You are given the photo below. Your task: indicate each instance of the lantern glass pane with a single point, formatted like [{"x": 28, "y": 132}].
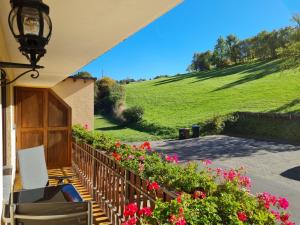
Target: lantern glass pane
[
  {"x": 30, "y": 21},
  {"x": 47, "y": 25},
  {"x": 13, "y": 22}
]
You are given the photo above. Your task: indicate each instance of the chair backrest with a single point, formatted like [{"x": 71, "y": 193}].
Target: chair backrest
[{"x": 32, "y": 167}]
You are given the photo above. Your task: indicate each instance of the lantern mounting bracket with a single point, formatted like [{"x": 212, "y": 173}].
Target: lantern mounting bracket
[{"x": 34, "y": 73}]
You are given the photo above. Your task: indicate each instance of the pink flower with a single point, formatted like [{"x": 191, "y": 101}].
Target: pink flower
[
  {"x": 130, "y": 209},
  {"x": 181, "y": 221},
  {"x": 141, "y": 167},
  {"x": 172, "y": 159},
  {"x": 207, "y": 162},
  {"x": 245, "y": 181},
  {"x": 130, "y": 157},
  {"x": 242, "y": 216},
  {"x": 276, "y": 214},
  {"x": 219, "y": 171},
  {"x": 153, "y": 186},
  {"x": 142, "y": 158},
  {"x": 145, "y": 212},
  {"x": 231, "y": 175},
  {"x": 267, "y": 199},
  {"x": 283, "y": 203},
  {"x": 199, "y": 194},
  {"x": 86, "y": 126}
]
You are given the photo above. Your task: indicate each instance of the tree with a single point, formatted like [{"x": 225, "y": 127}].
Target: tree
[
  {"x": 296, "y": 19},
  {"x": 221, "y": 56},
  {"x": 201, "y": 61},
  {"x": 232, "y": 41},
  {"x": 83, "y": 74},
  {"x": 109, "y": 95}
]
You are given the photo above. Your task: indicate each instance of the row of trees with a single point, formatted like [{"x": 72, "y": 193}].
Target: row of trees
[{"x": 265, "y": 45}]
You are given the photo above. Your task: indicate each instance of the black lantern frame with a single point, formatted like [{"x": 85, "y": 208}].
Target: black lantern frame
[{"x": 31, "y": 26}]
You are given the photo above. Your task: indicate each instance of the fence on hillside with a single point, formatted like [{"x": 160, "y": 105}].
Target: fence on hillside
[{"x": 112, "y": 186}]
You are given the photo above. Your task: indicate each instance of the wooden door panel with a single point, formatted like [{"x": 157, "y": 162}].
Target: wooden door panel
[
  {"x": 58, "y": 113},
  {"x": 43, "y": 118},
  {"x": 31, "y": 139},
  {"x": 32, "y": 107},
  {"x": 57, "y": 146}
]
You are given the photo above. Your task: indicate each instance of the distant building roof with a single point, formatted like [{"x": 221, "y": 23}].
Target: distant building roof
[{"x": 82, "y": 78}]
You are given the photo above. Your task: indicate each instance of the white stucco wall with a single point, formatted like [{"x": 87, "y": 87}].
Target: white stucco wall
[{"x": 79, "y": 94}]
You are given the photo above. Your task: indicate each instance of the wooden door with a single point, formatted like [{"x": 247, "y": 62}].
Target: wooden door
[{"x": 43, "y": 118}]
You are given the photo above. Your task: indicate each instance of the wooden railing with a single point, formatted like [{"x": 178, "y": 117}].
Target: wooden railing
[{"x": 112, "y": 186}]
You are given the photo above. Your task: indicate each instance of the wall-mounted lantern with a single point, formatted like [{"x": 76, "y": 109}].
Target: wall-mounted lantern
[{"x": 31, "y": 26}]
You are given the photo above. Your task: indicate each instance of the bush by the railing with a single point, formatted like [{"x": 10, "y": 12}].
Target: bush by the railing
[
  {"x": 96, "y": 139},
  {"x": 205, "y": 195}
]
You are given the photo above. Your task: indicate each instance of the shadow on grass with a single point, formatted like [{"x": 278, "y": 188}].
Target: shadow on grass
[
  {"x": 287, "y": 106},
  {"x": 117, "y": 127},
  {"x": 256, "y": 70},
  {"x": 293, "y": 173}
]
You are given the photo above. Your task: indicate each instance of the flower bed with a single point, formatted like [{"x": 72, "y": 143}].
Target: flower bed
[{"x": 205, "y": 195}]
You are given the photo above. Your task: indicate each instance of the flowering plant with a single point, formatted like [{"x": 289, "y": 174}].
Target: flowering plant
[{"x": 205, "y": 196}]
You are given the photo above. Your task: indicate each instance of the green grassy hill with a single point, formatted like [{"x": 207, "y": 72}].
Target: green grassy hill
[{"x": 185, "y": 99}]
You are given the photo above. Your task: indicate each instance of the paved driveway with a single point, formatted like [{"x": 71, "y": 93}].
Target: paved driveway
[{"x": 273, "y": 167}]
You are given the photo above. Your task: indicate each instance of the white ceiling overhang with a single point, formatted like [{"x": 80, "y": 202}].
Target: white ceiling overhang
[{"x": 82, "y": 31}]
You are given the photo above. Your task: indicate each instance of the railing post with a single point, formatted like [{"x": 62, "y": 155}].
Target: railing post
[{"x": 94, "y": 184}]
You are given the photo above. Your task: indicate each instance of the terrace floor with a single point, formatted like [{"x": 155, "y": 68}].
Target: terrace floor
[{"x": 98, "y": 214}]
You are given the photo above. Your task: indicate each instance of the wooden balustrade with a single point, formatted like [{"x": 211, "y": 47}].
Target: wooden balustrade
[{"x": 112, "y": 186}]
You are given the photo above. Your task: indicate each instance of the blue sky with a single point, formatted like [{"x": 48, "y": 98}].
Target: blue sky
[{"x": 166, "y": 46}]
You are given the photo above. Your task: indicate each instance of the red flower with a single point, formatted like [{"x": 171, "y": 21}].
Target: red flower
[
  {"x": 117, "y": 156},
  {"x": 285, "y": 217},
  {"x": 118, "y": 144},
  {"x": 199, "y": 194},
  {"x": 179, "y": 199},
  {"x": 283, "y": 203},
  {"x": 180, "y": 210},
  {"x": 146, "y": 145},
  {"x": 131, "y": 221},
  {"x": 145, "y": 211},
  {"x": 242, "y": 216},
  {"x": 130, "y": 209},
  {"x": 153, "y": 186}
]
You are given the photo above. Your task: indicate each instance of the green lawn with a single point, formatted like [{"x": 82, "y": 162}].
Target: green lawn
[
  {"x": 120, "y": 133},
  {"x": 182, "y": 100}
]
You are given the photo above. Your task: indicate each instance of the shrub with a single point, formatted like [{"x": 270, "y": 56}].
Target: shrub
[
  {"x": 217, "y": 124},
  {"x": 96, "y": 139},
  {"x": 108, "y": 95},
  {"x": 133, "y": 114}
]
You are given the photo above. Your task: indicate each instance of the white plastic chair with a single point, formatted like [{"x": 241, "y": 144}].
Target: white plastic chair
[{"x": 33, "y": 170}]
